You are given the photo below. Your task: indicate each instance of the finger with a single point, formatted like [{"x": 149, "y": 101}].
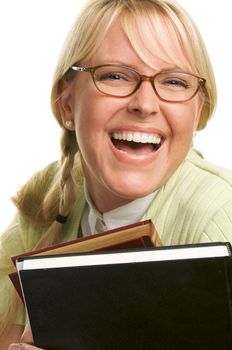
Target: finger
[
  {"x": 27, "y": 335},
  {"x": 23, "y": 346}
]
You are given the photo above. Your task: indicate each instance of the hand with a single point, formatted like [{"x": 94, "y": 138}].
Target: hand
[{"x": 26, "y": 341}]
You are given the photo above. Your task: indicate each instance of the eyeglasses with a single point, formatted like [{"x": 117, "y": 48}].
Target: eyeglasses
[{"x": 120, "y": 81}]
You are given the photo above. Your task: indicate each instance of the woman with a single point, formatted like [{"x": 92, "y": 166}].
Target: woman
[{"x": 133, "y": 84}]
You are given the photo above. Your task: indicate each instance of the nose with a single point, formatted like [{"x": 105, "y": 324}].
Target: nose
[{"x": 144, "y": 102}]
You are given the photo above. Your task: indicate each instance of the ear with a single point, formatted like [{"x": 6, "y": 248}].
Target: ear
[
  {"x": 198, "y": 113},
  {"x": 65, "y": 104}
]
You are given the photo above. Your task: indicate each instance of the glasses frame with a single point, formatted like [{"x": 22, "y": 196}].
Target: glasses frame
[{"x": 142, "y": 78}]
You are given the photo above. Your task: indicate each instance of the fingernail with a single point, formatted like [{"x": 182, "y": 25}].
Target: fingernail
[{"x": 15, "y": 347}]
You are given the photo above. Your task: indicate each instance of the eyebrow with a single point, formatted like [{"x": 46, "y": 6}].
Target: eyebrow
[
  {"x": 171, "y": 68},
  {"x": 135, "y": 67}
]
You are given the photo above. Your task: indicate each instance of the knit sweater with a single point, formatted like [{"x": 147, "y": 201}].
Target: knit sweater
[{"x": 194, "y": 206}]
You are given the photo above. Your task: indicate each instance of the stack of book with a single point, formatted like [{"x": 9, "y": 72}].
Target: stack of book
[{"x": 138, "y": 298}]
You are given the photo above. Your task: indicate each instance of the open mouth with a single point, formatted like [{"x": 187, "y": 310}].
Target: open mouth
[{"x": 136, "y": 143}]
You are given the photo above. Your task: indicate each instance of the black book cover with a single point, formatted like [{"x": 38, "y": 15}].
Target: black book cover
[{"x": 162, "y": 305}]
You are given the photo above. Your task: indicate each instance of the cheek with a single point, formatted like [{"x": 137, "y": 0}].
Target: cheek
[
  {"x": 84, "y": 112},
  {"x": 91, "y": 114},
  {"x": 183, "y": 118}
]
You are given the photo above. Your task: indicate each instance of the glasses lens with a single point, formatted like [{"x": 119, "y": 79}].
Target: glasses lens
[
  {"x": 115, "y": 80},
  {"x": 178, "y": 86}
]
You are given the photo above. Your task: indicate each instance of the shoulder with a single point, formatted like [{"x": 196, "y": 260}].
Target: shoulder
[
  {"x": 203, "y": 168},
  {"x": 197, "y": 180},
  {"x": 214, "y": 199},
  {"x": 210, "y": 185},
  {"x": 202, "y": 181},
  {"x": 208, "y": 188}
]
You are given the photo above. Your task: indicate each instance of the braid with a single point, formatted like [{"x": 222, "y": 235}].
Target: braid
[{"x": 65, "y": 187}]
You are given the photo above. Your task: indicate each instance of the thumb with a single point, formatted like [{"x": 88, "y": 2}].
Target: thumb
[{"x": 27, "y": 336}]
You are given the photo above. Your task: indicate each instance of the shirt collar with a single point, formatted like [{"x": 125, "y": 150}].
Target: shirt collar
[{"x": 121, "y": 216}]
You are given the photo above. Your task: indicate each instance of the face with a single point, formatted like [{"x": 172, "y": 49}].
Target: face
[{"x": 119, "y": 171}]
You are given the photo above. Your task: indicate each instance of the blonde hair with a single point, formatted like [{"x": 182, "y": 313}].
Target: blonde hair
[{"x": 140, "y": 19}]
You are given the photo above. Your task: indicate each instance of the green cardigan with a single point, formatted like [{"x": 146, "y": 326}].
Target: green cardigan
[{"x": 194, "y": 206}]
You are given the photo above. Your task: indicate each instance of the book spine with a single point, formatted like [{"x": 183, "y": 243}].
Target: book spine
[
  {"x": 146, "y": 242},
  {"x": 229, "y": 248}
]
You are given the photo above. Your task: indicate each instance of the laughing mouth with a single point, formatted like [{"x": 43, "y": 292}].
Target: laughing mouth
[{"x": 136, "y": 143}]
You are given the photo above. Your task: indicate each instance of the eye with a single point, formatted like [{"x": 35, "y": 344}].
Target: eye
[
  {"x": 115, "y": 76},
  {"x": 176, "y": 83},
  {"x": 112, "y": 76}
]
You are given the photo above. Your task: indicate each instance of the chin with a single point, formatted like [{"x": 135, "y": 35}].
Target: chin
[{"x": 132, "y": 191}]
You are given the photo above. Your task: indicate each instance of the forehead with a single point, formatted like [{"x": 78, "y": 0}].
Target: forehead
[{"x": 155, "y": 43}]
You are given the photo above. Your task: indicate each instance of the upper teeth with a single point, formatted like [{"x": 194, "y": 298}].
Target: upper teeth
[{"x": 137, "y": 137}]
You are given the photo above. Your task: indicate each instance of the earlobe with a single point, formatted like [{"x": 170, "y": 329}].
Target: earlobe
[
  {"x": 65, "y": 104},
  {"x": 69, "y": 124}
]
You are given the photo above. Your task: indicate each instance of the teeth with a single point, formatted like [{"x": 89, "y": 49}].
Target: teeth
[{"x": 137, "y": 137}]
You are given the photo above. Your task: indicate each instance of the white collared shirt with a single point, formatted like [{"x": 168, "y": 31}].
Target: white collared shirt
[{"x": 94, "y": 222}]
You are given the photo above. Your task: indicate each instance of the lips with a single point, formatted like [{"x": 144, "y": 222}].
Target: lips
[{"x": 136, "y": 143}]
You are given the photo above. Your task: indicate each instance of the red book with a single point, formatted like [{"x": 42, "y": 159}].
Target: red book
[{"x": 139, "y": 235}]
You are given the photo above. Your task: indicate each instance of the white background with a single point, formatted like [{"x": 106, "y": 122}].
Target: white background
[{"x": 31, "y": 36}]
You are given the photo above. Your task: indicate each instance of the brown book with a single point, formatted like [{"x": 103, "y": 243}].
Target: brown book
[{"x": 139, "y": 235}]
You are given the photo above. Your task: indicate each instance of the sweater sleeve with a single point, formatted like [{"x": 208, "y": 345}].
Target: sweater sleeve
[
  {"x": 19, "y": 237},
  {"x": 11, "y": 243}
]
